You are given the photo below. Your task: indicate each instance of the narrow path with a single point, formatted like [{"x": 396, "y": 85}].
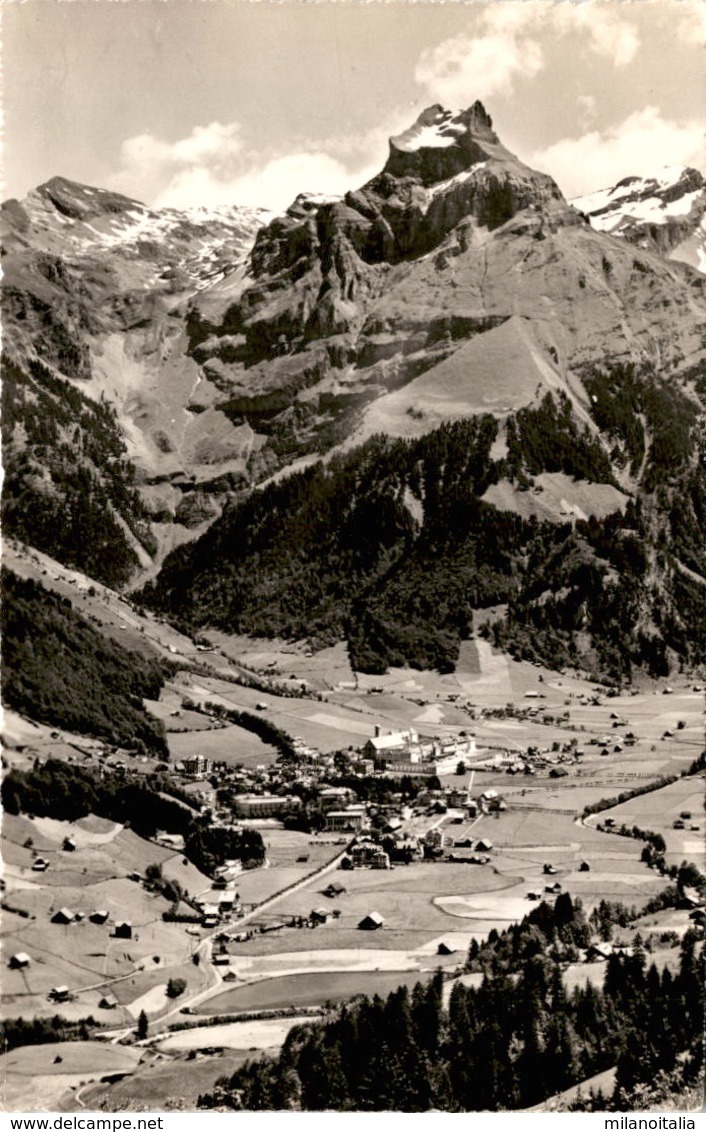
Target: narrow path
[{"x": 205, "y": 948}]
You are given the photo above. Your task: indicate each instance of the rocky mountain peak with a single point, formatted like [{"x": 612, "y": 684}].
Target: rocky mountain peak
[
  {"x": 80, "y": 202},
  {"x": 442, "y": 143}
]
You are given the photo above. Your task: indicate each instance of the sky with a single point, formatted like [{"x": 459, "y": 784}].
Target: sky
[{"x": 186, "y": 103}]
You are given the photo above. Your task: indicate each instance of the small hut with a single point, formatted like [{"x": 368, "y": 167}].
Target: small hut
[{"x": 371, "y": 922}]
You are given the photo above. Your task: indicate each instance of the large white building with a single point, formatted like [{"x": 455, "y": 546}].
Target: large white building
[
  {"x": 264, "y": 805},
  {"x": 402, "y": 752}
]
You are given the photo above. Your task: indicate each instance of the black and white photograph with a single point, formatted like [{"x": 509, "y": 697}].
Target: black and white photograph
[{"x": 354, "y": 560}]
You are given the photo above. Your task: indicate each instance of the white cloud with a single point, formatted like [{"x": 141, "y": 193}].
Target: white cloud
[
  {"x": 458, "y": 69},
  {"x": 489, "y": 64},
  {"x": 263, "y": 183},
  {"x": 587, "y": 108},
  {"x": 212, "y": 166},
  {"x": 640, "y": 145},
  {"x": 607, "y": 32},
  {"x": 688, "y": 20},
  {"x": 508, "y": 43},
  {"x": 148, "y": 163}
]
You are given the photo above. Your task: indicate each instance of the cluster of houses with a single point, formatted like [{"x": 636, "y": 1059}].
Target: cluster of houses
[
  {"x": 122, "y": 929},
  {"x": 262, "y": 792}
]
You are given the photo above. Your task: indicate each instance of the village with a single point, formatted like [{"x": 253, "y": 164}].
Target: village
[{"x": 401, "y": 817}]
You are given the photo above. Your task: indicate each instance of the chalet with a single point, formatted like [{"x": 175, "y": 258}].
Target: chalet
[
  {"x": 468, "y": 857},
  {"x": 20, "y": 960},
  {"x": 445, "y": 949},
  {"x": 63, "y": 916},
  {"x": 366, "y": 854},
  {"x": 549, "y": 870},
  {"x": 123, "y": 930},
  {"x": 170, "y": 841},
  {"x": 393, "y": 825},
  {"x": 584, "y": 867},
  {"x": 207, "y": 907},
  {"x": 69, "y": 845},
  {"x": 456, "y": 796},
  {"x": 60, "y": 994},
  {"x": 318, "y": 916},
  {"x": 599, "y": 951},
  {"x": 690, "y": 897},
  {"x": 209, "y": 921},
  {"x": 434, "y": 838},
  {"x": 552, "y": 888},
  {"x": 40, "y": 865},
  {"x": 371, "y": 922},
  {"x": 406, "y": 849},
  {"x": 99, "y": 916},
  {"x": 484, "y": 844},
  {"x": 491, "y": 802},
  {"x": 335, "y": 889},
  {"x": 220, "y": 958},
  {"x": 108, "y": 1002}
]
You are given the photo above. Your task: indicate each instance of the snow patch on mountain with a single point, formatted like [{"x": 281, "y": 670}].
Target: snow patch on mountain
[
  {"x": 666, "y": 211},
  {"x": 434, "y": 129}
]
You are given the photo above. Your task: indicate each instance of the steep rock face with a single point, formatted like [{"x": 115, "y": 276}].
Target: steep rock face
[
  {"x": 92, "y": 293},
  {"x": 456, "y": 282},
  {"x": 314, "y": 271},
  {"x": 350, "y": 305},
  {"x": 666, "y": 213}
]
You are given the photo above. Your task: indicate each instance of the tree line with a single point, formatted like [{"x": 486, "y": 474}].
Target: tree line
[
  {"x": 59, "y": 670},
  {"x": 61, "y": 790}
]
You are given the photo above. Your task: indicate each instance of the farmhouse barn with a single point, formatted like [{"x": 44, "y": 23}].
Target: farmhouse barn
[
  {"x": 334, "y": 889},
  {"x": 371, "y": 922},
  {"x": 63, "y": 916}
]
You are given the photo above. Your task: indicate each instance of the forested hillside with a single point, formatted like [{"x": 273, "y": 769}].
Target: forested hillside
[
  {"x": 509, "y": 1043},
  {"x": 148, "y": 804},
  {"x": 57, "y": 669},
  {"x": 69, "y": 488},
  {"x": 392, "y": 546}
]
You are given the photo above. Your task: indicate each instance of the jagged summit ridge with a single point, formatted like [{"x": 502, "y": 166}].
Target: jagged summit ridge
[
  {"x": 442, "y": 143},
  {"x": 666, "y": 211}
]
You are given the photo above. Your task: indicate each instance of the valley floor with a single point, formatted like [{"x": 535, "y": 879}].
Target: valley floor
[{"x": 508, "y": 706}]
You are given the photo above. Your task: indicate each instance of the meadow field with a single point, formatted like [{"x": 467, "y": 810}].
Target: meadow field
[
  {"x": 35, "y": 1077},
  {"x": 309, "y": 990},
  {"x": 658, "y": 810},
  {"x": 88, "y": 957}
]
